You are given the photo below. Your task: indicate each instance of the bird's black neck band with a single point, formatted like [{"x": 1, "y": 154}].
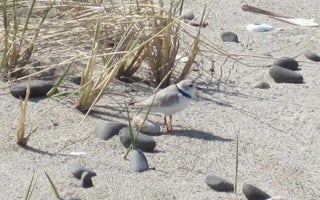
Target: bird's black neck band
[{"x": 183, "y": 92}]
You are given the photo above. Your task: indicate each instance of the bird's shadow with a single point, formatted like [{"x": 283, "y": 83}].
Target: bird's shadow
[{"x": 196, "y": 134}]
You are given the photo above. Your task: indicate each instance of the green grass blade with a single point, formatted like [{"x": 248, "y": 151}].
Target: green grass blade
[
  {"x": 46, "y": 12},
  {"x": 53, "y": 90},
  {"x": 31, "y": 187},
  {"x": 237, "y": 164},
  {"x": 6, "y": 37},
  {"x": 131, "y": 134},
  {"x": 27, "y": 22},
  {"x": 53, "y": 187}
]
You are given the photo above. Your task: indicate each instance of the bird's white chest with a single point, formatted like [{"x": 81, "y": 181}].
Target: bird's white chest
[{"x": 181, "y": 104}]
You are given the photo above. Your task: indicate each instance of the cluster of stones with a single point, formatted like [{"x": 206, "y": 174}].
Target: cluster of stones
[
  {"x": 142, "y": 132},
  {"x": 251, "y": 192}
]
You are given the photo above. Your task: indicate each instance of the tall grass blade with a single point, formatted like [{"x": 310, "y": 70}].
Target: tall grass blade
[
  {"x": 31, "y": 187},
  {"x": 237, "y": 165},
  {"x": 131, "y": 134},
  {"x": 21, "y": 139},
  {"x": 46, "y": 12},
  {"x": 4, "y": 60},
  {"x": 27, "y": 22},
  {"x": 193, "y": 52},
  {"x": 54, "y": 188},
  {"x": 53, "y": 90}
]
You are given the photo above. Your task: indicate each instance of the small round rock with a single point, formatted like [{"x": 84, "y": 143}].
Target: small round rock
[
  {"x": 283, "y": 75},
  {"x": 107, "y": 130},
  {"x": 312, "y": 56},
  {"x": 77, "y": 170},
  {"x": 189, "y": 16},
  {"x": 219, "y": 184},
  {"x": 254, "y": 193},
  {"x": 138, "y": 161},
  {"x": 147, "y": 127},
  {"x": 286, "y": 62},
  {"x": 38, "y": 88},
  {"x": 144, "y": 142},
  {"x": 86, "y": 180},
  {"x": 229, "y": 37}
]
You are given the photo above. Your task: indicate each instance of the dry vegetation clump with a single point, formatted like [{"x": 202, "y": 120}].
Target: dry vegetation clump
[
  {"x": 20, "y": 31},
  {"x": 104, "y": 42}
]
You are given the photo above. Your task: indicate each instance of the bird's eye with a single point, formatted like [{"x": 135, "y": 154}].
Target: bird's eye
[{"x": 190, "y": 85}]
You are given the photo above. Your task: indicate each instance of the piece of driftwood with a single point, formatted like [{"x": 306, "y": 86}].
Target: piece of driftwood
[
  {"x": 287, "y": 19},
  {"x": 254, "y": 9}
]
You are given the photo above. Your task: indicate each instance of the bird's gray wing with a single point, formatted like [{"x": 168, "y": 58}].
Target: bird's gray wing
[{"x": 164, "y": 97}]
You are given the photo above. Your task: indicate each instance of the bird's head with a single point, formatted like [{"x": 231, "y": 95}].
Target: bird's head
[{"x": 188, "y": 86}]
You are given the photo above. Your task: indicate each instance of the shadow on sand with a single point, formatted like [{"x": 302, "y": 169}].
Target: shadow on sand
[
  {"x": 200, "y": 135},
  {"x": 39, "y": 151}
]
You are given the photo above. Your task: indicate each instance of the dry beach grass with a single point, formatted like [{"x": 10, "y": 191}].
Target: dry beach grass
[{"x": 278, "y": 128}]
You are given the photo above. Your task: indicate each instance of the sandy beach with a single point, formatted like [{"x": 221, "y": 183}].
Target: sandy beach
[{"x": 278, "y": 128}]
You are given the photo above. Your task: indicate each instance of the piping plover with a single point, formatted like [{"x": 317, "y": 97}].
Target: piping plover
[{"x": 170, "y": 100}]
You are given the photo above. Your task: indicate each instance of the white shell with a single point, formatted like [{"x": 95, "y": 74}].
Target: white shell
[
  {"x": 75, "y": 153},
  {"x": 256, "y": 27}
]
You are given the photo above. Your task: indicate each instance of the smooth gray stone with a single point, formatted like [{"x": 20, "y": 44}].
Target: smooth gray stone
[
  {"x": 107, "y": 130},
  {"x": 312, "y": 56},
  {"x": 86, "y": 180},
  {"x": 286, "y": 62},
  {"x": 148, "y": 127},
  {"x": 38, "y": 88},
  {"x": 219, "y": 184},
  {"x": 144, "y": 142},
  {"x": 189, "y": 16},
  {"x": 283, "y": 75},
  {"x": 229, "y": 37},
  {"x": 254, "y": 193},
  {"x": 77, "y": 170},
  {"x": 138, "y": 161}
]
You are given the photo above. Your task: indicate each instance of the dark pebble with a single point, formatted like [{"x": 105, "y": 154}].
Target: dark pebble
[
  {"x": 219, "y": 184},
  {"x": 75, "y": 79},
  {"x": 312, "y": 56},
  {"x": 229, "y": 37},
  {"x": 144, "y": 142},
  {"x": 286, "y": 62},
  {"x": 77, "y": 170},
  {"x": 107, "y": 130},
  {"x": 38, "y": 88},
  {"x": 86, "y": 180},
  {"x": 283, "y": 75},
  {"x": 254, "y": 193},
  {"x": 138, "y": 161}
]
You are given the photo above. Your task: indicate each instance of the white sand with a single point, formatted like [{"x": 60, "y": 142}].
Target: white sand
[{"x": 278, "y": 128}]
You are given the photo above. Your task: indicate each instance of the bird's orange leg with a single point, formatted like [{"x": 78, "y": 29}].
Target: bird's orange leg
[
  {"x": 166, "y": 122},
  {"x": 171, "y": 128}
]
